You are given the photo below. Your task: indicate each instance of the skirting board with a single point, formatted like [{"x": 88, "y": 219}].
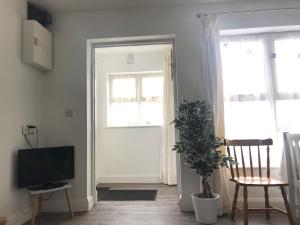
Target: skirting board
[
  {"x": 19, "y": 218},
  {"x": 55, "y": 205},
  {"x": 187, "y": 206},
  {"x": 60, "y": 205},
  {"x": 260, "y": 202},
  {"x": 143, "y": 178}
]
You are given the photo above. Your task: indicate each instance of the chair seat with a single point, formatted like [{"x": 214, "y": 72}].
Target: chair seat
[{"x": 259, "y": 181}]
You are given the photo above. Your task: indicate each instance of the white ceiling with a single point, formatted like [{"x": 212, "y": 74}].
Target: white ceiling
[{"x": 87, "y": 5}]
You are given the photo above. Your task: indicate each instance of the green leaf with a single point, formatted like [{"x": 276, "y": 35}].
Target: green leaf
[{"x": 197, "y": 141}]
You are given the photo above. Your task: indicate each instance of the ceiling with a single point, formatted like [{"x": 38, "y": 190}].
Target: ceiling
[{"x": 88, "y": 5}]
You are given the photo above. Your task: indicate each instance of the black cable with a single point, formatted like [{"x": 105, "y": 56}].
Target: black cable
[
  {"x": 47, "y": 199},
  {"x": 28, "y": 142},
  {"x": 37, "y": 137}
]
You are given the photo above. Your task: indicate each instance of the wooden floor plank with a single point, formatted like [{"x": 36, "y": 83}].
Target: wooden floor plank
[{"x": 163, "y": 211}]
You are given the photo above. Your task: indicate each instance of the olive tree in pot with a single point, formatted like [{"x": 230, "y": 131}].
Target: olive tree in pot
[{"x": 198, "y": 143}]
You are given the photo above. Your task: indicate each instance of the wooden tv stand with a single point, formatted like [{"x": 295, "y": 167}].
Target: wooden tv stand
[{"x": 37, "y": 200}]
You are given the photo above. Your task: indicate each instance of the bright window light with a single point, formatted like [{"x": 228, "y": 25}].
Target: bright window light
[
  {"x": 152, "y": 87},
  {"x": 244, "y": 64},
  {"x": 288, "y": 65},
  {"x": 135, "y": 99},
  {"x": 123, "y": 88},
  {"x": 261, "y": 77}
]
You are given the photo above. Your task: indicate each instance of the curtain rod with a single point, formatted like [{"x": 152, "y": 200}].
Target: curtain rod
[{"x": 248, "y": 11}]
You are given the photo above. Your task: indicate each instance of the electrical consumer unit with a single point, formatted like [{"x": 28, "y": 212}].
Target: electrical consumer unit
[{"x": 37, "y": 45}]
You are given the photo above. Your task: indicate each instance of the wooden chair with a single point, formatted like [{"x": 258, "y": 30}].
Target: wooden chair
[
  {"x": 292, "y": 155},
  {"x": 241, "y": 178},
  {"x": 3, "y": 220}
]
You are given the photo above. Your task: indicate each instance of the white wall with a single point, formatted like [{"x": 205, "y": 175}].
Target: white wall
[
  {"x": 125, "y": 155},
  {"x": 21, "y": 103},
  {"x": 66, "y": 86}
]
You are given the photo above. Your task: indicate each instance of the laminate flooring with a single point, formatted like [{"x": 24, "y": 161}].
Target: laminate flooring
[{"x": 163, "y": 211}]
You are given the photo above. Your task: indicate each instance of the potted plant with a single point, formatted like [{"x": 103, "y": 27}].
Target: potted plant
[{"x": 198, "y": 143}]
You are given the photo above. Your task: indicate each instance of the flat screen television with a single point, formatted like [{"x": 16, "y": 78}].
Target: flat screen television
[{"x": 44, "y": 165}]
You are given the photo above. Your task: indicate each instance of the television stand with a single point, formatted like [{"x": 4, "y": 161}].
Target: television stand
[
  {"x": 48, "y": 186},
  {"x": 37, "y": 193}
]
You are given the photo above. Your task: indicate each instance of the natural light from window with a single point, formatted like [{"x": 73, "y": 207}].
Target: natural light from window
[
  {"x": 261, "y": 77},
  {"x": 135, "y": 99}
]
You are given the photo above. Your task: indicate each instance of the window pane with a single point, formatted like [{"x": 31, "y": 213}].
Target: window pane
[
  {"x": 288, "y": 65},
  {"x": 124, "y": 114},
  {"x": 152, "y": 87},
  {"x": 135, "y": 101},
  {"x": 246, "y": 120},
  {"x": 243, "y": 64},
  {"x": 123, "y": 88},
  {"x": 251, "y": 120},
  {"x": 288, "y": 115},
  {"x": 151, "y": 113}
]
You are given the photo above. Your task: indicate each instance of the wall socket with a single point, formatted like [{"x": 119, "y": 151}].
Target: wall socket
[
  {"x": 69, "y": 113},
  {"x": 26, "y": 130}
]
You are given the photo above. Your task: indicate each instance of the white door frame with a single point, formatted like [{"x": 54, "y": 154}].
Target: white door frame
[{"x": 92, "y": 44}]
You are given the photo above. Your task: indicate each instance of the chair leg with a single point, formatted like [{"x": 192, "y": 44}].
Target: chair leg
[
  {"x": 292, "y": 200},
  {"x": 245, "y": 205},
  {"x": 236, "y": 193},
  {"x": 287, "y": 205},
  {"x": 267, "y": 203}
]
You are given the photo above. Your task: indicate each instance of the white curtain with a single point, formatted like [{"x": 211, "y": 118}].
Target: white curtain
[
  {"x": 168, "y": 156},
  {"x": 211, "y": 69}
]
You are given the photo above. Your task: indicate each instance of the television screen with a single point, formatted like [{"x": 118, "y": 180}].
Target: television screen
[{"x": 45, "y": 165}]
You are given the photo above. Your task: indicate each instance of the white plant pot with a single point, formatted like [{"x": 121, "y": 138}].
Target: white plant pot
[{"x": 206, "y": 209}]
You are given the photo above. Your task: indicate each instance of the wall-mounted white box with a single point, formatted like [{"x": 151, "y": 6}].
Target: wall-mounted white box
[{"x": 37, "y": 45}]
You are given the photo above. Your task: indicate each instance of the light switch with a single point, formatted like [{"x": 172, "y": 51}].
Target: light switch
[{"x": 69, "y": 113}]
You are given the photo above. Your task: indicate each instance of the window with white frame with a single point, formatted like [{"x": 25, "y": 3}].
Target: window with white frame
[
  {"x": 261, "y": 77},
  {"x": 135, "y": 99}
]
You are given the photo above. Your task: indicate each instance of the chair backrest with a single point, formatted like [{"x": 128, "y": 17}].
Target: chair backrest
[
  {"x": 292, "y": 154},
  {"x": 250, "y": 145}
]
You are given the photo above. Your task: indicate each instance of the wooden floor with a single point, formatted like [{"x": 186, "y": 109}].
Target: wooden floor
[{"x": 163, "y": 211}]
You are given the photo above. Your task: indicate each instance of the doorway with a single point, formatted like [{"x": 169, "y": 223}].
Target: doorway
[{"x": 129, "y": 83}]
